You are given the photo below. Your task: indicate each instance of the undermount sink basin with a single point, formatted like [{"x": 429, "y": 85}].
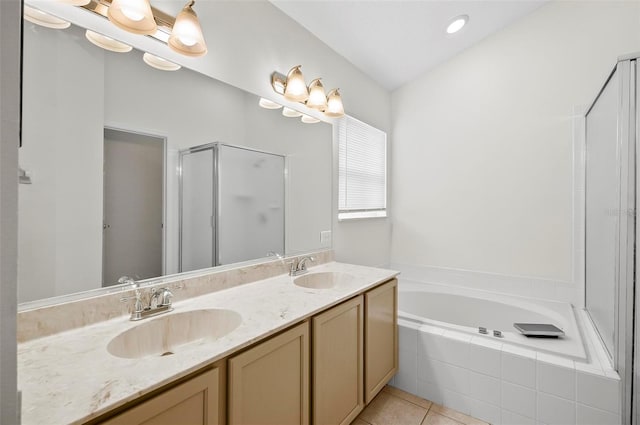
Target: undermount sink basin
[
  {"x": 165, "y": 335},
  {"x": 322, "y": 280}
]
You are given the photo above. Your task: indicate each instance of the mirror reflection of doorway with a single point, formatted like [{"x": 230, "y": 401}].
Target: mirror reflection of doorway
[{"x": 132, "y": 239}]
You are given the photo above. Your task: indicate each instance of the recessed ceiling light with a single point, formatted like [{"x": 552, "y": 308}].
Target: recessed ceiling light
[
  {"x": 457, "y": 23},
  {"x": 44, "y": 19},
  {"x": 159, "y": 63}
]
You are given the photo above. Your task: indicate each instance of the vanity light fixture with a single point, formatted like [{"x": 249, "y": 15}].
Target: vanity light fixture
[
  {"x": 134, "y": 16},
  {"x": 293, "y": 88},
  {"x": 457, "y": 23},
  {"x": 41, "y": 18},
  {"x": 186, "y": 36},
  {"x": 268, "y": 104},
  {"x": 159, "y": 63},
  {"x": 291, "y": 113},
  {"x": 317, "y": 97},
  {"x": 335, "y": 109},
  {"x": 107, "y": 43},
  {"x": 182, "y": 34}
]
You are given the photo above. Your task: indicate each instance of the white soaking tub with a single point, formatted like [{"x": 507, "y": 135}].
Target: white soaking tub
[
  {"x": 504, "y": 380},
  {"x": 466, "y": 310}
]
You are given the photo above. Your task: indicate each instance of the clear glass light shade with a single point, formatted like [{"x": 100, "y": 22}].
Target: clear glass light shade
[
  {"x": 44, "y": 19},
  {"x": 268, "y": 104},
  {"x": 317, "y": 97},
  {"x": 186, "y": 36},
  {"x": 75, "y": 2},
  {"x": 335, "y": 109},
  {"x": 291, "y": 113},
  {"x": 457, "y": 23},
  {"x": 159, "y": 63},
  {"x": 107, "y": 43},
  {"x": 309, "y": 119},
  {"x": 295, "y": 88},
  {"x": 134, "y": 16}
]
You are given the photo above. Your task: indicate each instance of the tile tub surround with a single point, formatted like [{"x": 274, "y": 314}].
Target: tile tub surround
[
  {"x": 70, "y": 377},
  {"x": 503, "y": 384},
  {"x": 64, "y": 314}
]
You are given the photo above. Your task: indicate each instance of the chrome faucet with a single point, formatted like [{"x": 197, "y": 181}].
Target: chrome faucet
[
  {"x": 300, "y": 267},
  {"x": 161, "y": 296}
]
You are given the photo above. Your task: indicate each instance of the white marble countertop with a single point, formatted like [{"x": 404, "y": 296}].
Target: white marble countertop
[{"x": 70, "y": 377}]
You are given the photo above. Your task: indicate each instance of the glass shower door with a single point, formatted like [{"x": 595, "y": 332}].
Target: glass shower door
[
  {"x": 197, "y": 245},
  {"x": 602, "y": 183}
]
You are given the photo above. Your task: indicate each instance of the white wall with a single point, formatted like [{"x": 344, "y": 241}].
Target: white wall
[
  {"x": 60, "y": 226},
  {"x": 482, "y": 176},
  {"x": 10, "y": 29}
]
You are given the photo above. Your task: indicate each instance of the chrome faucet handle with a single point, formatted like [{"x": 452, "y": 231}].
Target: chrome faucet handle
[
  {"x": 166, "y": 296},
  {"x": 302, "y": 264}
]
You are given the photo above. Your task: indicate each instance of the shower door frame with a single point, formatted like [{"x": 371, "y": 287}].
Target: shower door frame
[
  {"x": 625, "y": 334},
  {"x": 214, "y": 223},
  {"x": 215, "y": 147}
]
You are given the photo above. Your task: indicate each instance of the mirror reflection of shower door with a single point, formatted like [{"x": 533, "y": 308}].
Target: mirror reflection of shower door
[
  {"x": 197, "y": 245},
  {"x": 133, "y": 206},
  {"x": 250, "y": 204}
]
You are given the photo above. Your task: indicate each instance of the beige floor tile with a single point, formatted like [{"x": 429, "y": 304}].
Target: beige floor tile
[
  {"x": 359, "y": 421},
  {"x": 387, "y": 409},
  {"x": 460, "y": 417},
  {"x": 438, "y": 419},
  {"x": 408, "y": 397}
]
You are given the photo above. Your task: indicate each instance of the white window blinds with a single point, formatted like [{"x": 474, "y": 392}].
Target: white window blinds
[{"x": 362, "y": 170}]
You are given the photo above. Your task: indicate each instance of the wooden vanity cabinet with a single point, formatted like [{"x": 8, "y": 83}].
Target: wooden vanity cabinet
[
  {"x": 337, "y": 382},
  {"x": 381, "y": 337},
  {"x": 331, "y": 365},
  {"x": 197, "y": 401},
  {"x": 269, "y": 383}
]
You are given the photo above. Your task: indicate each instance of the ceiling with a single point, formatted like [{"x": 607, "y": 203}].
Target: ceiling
[{"x": 395, "y": 41}]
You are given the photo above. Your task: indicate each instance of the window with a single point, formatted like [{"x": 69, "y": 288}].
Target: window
[{"x": 362, "y": 170}]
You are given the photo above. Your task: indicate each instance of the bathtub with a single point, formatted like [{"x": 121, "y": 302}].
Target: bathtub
[
  {"x": 466, "y": 310},
  {"x": 502, "y": 380}
]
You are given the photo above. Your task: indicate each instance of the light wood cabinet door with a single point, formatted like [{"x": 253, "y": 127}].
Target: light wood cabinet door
[
  {"x": 198, "y": 401},
  {"x": 338, "y": 363},
  {"x": 269, "y": 383},
  {"x": 381, "y": 337}
]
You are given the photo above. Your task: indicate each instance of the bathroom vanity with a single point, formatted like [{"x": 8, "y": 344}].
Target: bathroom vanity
[{"x": 290, "y": 350}]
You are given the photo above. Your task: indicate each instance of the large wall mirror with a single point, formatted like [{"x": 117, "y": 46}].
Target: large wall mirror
[{"x": 130, "y": 170}]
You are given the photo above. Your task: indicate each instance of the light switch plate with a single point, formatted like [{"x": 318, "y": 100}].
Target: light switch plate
[{"x": 325, "y": 238}]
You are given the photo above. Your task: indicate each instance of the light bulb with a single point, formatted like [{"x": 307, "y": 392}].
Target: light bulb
[
  {"x": 134, "y": 16},
  {"x": 295, "y": 88},
  {"x": 317, "y": 97},
  {"x": 335, "y": 109},
  {"x": 186, "y": 36}
]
